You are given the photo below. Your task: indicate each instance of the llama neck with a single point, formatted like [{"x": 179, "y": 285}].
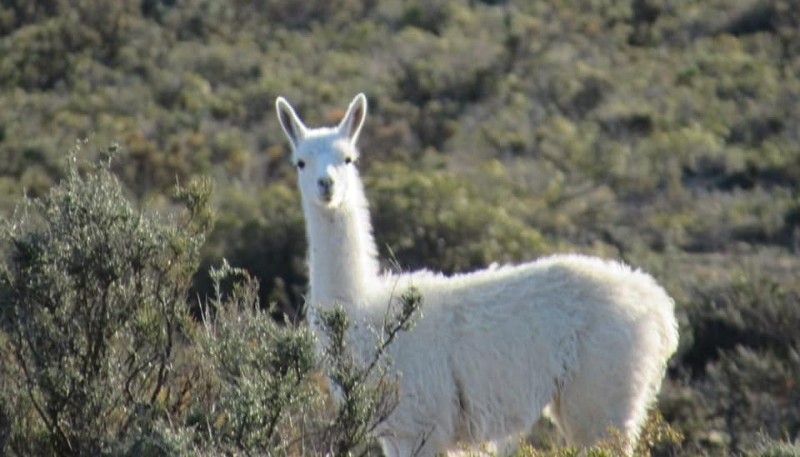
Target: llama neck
[{"x": 342, "y": 255}]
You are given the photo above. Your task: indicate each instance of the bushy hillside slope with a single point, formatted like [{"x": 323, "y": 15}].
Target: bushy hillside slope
[{"x": 664, "y": 133}]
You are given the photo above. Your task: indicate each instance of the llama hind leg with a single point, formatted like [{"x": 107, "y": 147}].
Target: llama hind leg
[
  {"x": 606, "y": 395},
  {"x": 397, "y": 447},
  {"x": 408, "y": 446}
]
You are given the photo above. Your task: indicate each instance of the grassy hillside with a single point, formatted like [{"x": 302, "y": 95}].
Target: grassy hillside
[{"x": 663, "y": 133}]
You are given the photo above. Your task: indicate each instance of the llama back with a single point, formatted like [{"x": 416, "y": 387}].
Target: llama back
[{"x": 585, "y": 289}]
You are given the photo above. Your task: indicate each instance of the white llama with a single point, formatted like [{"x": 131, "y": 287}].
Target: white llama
[{"x": 588, "y": 337}]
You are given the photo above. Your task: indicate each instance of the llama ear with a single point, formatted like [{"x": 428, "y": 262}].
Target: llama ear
[
  {"x": 292, "y": 125},
  {"x": 354, "y": 119}
]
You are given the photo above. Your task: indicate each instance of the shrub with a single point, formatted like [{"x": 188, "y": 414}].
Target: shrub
[
  {"x": 767, "y": 447},
  {"x": 452, "y": 229},
  {"x": 272, "y": 394},
  {"x": 263, "y": 234},
  {"x": 657, "y": 438},
  {"x": 263, "y": 370},
  {"x": 743, "y": 359},
  {"x": 92, "y": 303},
  {"x": 367, "y": 391}
]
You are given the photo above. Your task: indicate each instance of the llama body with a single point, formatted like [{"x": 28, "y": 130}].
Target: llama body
[{"x": 588, "y": 337}]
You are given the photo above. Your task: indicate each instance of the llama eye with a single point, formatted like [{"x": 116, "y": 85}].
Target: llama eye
[
  {"x": 301, "y": 164},
  {"x": 348, "y": 160}
]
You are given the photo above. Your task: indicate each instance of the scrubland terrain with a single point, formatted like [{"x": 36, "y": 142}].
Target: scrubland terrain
[{"x": 662, "y": 133}]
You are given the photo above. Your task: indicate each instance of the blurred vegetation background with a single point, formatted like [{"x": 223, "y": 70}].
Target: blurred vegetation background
[{"x": 664, "y": 133}]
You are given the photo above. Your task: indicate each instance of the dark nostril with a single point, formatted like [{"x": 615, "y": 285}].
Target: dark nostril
[{"x": 324, "y": 182}]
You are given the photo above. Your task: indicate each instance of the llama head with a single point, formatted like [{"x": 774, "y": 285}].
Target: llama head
[{"x": 324, "y": 157}]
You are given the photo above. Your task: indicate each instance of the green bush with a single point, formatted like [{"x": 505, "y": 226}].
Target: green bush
[
  {"x": 265, "y": 235},
  {"x": 367, "y": 389},
  {"x": 657, "y": 438},
  {"x": 767, "y": 447},
  {"x": 435, "y": 220},
  {"x": 263, "y": 370},
  {"x": 93, "y": 308},
  {"x": 272, "y": 391}
]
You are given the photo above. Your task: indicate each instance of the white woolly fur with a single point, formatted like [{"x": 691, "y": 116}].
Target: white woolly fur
[{"x": 586, "y": 337}]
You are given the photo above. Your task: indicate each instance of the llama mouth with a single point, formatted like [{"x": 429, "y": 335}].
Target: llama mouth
[
  {"x": 331, "y": 198},
  {"x": 328, "y": 200}
]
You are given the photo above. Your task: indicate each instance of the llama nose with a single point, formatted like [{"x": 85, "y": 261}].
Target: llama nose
[{"x": 325, "y": 185}]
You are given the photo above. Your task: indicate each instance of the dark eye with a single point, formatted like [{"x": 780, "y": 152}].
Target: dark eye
[
  {"x": 348, "y": 160},
  {"x": 301, "y": 164}
]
